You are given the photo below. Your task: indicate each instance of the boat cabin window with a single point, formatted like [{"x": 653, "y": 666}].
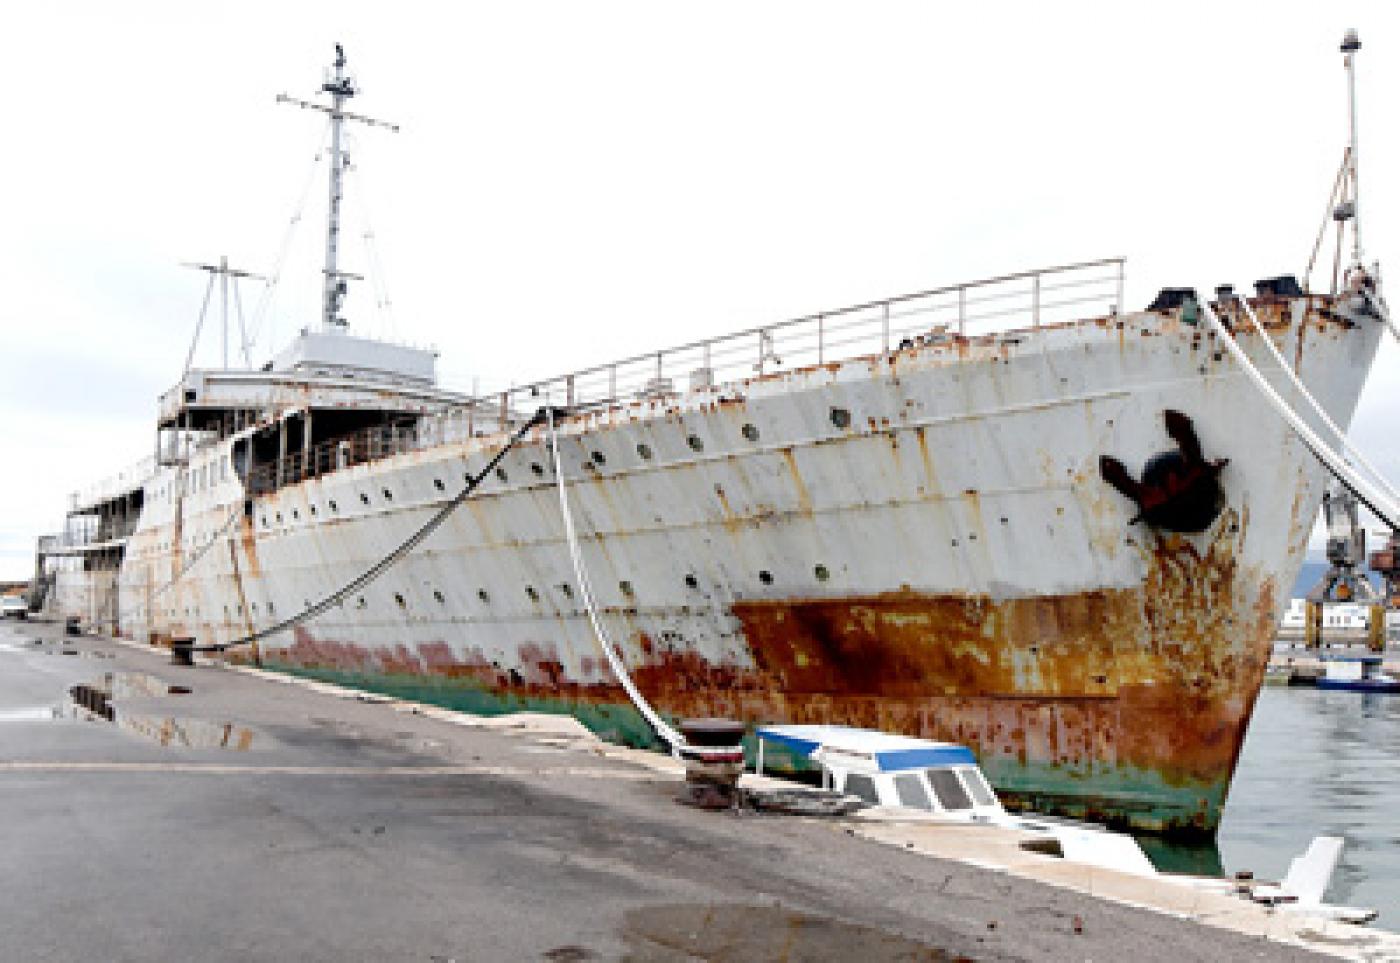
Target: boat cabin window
[
  {"x": 912, "y": 792},
  {"x": 977, "y": 787},
  {"x": 862, "y": 787},
  {"x": 949, "y": 789}
]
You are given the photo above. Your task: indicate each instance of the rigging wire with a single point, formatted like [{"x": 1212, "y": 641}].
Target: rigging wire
[
  {"x": 379, "y": 288},
  {"x": 262, "y": 309}
]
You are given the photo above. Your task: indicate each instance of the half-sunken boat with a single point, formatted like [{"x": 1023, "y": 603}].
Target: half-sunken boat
[{"x": 1010, "y": 513}]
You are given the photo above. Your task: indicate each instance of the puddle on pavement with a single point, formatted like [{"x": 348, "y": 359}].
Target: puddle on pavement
[
  {"x": 741, "y": 931},
  {"x": 186, "y": 732}
]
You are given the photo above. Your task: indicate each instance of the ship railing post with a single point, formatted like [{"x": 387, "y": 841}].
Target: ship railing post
[
  {"x": 962, "y": 311},
  {"x": 505, "y": 403},
  {"x": 762, "y": 337},
  {"x": 821, "y": 337},
  {"x": 612, "y": 382},
  {"x": 1035, "y": 300},
  {"x": 569, "y": 391},
  {"x": 885, "y": 329},
  {"x": 1118, "y": 305}
]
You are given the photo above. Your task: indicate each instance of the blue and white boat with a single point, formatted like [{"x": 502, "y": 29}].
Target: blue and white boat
[{"x": 1356, "y": 673}]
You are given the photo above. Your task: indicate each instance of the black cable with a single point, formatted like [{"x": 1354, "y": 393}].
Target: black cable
[{"x": 378, "y": 568}]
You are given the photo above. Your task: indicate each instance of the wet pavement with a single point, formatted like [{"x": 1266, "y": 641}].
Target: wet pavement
[{"x": 236, "y": 818}]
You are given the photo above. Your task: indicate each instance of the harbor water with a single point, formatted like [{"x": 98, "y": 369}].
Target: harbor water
[{"x": 1314, "y": 763}]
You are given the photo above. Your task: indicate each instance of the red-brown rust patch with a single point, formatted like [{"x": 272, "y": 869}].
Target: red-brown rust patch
[{"x": 249, "y": 540}]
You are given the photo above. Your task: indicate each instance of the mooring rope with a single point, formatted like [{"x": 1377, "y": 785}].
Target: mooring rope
[
  {"x": 639, "y": 702},
  {"x": 385, "y": 563},
  {"x": 1382, "y": 506}
]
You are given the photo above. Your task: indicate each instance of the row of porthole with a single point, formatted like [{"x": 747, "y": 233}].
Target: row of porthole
[{"x": 840, "y": 418}]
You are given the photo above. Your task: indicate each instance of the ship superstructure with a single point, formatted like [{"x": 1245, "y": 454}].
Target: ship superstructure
[{"x": 1008, "y": 513}]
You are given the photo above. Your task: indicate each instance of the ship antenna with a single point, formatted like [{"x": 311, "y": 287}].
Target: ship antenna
[
  {"x": 341, "y": 87},
  {"x": 224, "y": 274},
  {"x": 1343, "y": 202},
  {"x": 1351, "y": 43}
]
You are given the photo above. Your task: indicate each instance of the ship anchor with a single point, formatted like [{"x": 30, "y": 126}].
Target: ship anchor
[{"x": 1180, "y": 490}]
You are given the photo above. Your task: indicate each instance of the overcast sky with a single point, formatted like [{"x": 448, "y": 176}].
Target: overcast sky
[{"x": 580, "y": 181}]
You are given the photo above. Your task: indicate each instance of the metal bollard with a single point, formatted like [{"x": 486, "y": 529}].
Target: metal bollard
[
  {"x": 182, "y": 651},
  {"x": 714, "y": 761}
]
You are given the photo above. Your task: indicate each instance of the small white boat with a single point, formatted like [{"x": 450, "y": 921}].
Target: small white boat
[
  {"x": 942, "y": 781},
  {"x": 1356, "y": 673}
]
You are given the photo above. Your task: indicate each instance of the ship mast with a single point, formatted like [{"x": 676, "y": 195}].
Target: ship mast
[
  {"x": 341, "y": 87},
  {"x": 1351, "y": 43}
]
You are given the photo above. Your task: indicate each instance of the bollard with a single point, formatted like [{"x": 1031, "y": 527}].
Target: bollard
[
  {"x": 714, "y": 761},
  {"x": 182, "y": 651}
]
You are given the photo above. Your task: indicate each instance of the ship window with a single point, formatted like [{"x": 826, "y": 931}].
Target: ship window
[
  {"x": 766, "y": 577},
  {"x": 264, "y": 521},
  {"x": 695, "y": 443},
  {"x": 822, "y": 573},
  {"x": 399, "y": 601},
  {"x": 332, "y": 504},
  {"x": 977, "y": 787},
  {"x": 530, "y": 591},
  {"x": 911, "y": 791},
  {"x": 862, "y": 787},
  {"x": 599, "y": 458},
  {"x": 311, "y": 509},
  {"x": 691, "y": 582},
  {"x": 481, "y": 594},
  {"x": 364, "y": 499},
  {"x": 840, "y": 417},
  {"x": 388, "y": 495},
  {"x": 437, "y": 483},
  {"x": 500, "y": 473},
  {"x": 536, "y": 468},
  {"x": 625, "y": 587},
  {"x": 644, "y": 450},
  {"x": 296, "y": 515},
  {"x": 949, "y": 789},
  {"x": 567, "y": 589},
  {"x": 279, "y": 518},
  {"x": 437, "y": 594}
]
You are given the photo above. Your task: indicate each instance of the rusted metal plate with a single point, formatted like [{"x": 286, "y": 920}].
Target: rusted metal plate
[{"x": 921, "y": 542}]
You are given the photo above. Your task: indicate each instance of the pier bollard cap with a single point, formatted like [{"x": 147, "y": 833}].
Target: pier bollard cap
[{"x": 712, "y": 732}]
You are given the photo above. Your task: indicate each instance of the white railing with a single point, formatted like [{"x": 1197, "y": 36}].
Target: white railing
[
  {"x": 122, "y": 482},
  {"x": 1026, "y": 300}
]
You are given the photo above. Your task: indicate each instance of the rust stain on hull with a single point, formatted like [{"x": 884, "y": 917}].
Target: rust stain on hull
[{"x": 1157, "y": 679}]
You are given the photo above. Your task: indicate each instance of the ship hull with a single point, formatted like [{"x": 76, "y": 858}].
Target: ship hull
[{"x": 921, "y": 542}]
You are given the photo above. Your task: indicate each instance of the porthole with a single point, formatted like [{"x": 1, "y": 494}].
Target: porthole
[
  {"x": 441, "y": 599},
  {"x": 279, "y": 518},
  {"x": 311, "y": 509},
  {"x": 264, "y": 521},
  {"x": 840, "y": 417},
  {"x": 766, "y": 577},
  {"x": 332, "y": 504},
  {"x": 625, "y": 587},
  {"x": 822, "y": 573},
  {"x": 360, "y": 602},
  {"x": 530, "y": 591},
  {"x": 437, "y": 483},
  {"x": 388, "y": 495},
  {"x": 296, "y": 515},
  {"x": 695, "y": 443},
  {"x": 537, "y": 468},
  {"x": 501, "y": 474},
  {"x": 750, "y": 432},
  {"x": 364, "y": 499},
  {"x": 567, "y": 589},
  {"x": 399, "y": 601},
  {"x": 483, "y": 595},
  {"x": 644, "y": 450},
  {"x": 599, "y": 458},
  {"x": 691, "y": 582}
]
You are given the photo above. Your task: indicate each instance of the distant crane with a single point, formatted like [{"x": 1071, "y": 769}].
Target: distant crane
[{"x": 1342, "y": 582}]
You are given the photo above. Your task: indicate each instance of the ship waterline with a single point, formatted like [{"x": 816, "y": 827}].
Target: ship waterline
[{"x": 920, "y": 540}]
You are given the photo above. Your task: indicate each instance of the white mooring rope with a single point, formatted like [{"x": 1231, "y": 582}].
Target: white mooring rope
[
  {"x": 669, "y": 735},
  {"x": 1384, "y": 507}
]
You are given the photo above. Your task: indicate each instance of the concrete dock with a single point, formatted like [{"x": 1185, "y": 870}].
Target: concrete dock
[{"x": 242, "y": 816}]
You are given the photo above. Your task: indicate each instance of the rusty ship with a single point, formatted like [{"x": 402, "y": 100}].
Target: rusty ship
[{"x": 1009, "y": 513}]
